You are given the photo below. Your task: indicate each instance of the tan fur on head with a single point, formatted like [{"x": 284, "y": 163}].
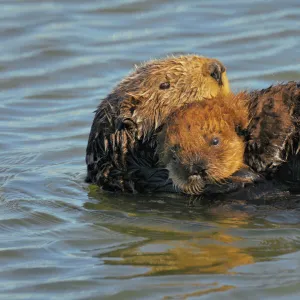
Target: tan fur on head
[
  {"x": 200, "y": 142},
  {"x": 160, "y": 86}
]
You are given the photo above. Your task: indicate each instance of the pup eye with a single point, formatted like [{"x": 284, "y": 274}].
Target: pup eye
[
  {"x": 215, "y": 141},
  {"x": 164, "y": 85}
]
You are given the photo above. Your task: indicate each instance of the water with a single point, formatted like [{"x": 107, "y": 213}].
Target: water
[{"x": 60, "y": 237}]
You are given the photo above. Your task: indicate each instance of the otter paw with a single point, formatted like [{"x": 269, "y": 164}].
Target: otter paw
[{"x": 245, "y": 176}]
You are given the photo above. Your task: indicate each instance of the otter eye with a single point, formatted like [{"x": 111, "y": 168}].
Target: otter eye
[
  {"x": 215, "y": 141},
  {"x": 164, "y": 85}
]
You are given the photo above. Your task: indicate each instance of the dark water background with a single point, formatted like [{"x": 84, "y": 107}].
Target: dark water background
[{"x": 63, "y": 239}]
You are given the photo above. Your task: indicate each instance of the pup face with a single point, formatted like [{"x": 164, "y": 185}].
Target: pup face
[
  {"x": 200, "y": 146},
  {"x": 160, "y": 86}
]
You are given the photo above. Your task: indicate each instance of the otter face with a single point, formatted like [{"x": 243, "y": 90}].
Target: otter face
[
  {"x": 158, "y": 87},
  {"x": 200, "y": 145}
]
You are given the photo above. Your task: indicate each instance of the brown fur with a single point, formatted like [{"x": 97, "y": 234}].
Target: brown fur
[
  {"x": 186, "y": 143},
  {"x": 267, "y": 120},
  {"x": 274, "y": 126},
  {"x": 121, "y": 147}
]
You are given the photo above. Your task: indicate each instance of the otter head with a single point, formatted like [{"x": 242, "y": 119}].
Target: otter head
[
  {"x": 158, "y": 87},
  {"x": 202, "y": 143}
]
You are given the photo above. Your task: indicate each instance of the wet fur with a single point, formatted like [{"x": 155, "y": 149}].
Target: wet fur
[
  {"x": 185, "y": 141},
  {"x": 121, "y": 151},
  {"x": 274, "y": 127},
  {"x": 271, "y": 136}
]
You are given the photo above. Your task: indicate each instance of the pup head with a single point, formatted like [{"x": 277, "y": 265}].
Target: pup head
[{"x": 202, "y": 142}]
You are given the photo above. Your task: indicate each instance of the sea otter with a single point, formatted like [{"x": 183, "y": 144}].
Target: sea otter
[
  {"x": 121, "y": 151},
  {"x": 273, "y": 132},
  {"x": 201, "y": 142},
  {"x": 210, "y": 141}
]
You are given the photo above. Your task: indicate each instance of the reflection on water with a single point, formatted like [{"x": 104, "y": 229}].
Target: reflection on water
[
  {"x": 61, "y": 237},
  {"x": 185, "y": 257}
]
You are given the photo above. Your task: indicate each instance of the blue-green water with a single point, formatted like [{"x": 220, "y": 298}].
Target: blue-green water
[{"x": 59, "y": 237}]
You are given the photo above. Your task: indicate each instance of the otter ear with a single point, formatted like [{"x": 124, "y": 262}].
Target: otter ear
[{"x": 215, "y": 70}]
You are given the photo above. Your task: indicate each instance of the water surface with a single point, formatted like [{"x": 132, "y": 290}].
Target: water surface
[{"x": 60, "y": 237}]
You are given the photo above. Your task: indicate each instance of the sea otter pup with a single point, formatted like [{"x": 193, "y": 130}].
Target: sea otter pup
[
  {"x": 208, "y": 142},
  {"x": 201, "y": 142},
  {"x": 121, "y": 151}
]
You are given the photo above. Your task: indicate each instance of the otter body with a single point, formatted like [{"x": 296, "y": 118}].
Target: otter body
[
  {"x": 266, "y": 122},
  {"x": 121, "y": 151},
  {"x": 274, "y": 128}
]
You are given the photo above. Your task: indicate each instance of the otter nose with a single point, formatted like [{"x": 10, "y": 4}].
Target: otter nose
[{"x": 198, "y": 169}]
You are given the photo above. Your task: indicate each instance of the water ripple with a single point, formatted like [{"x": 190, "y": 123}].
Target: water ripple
[{"x": 62, "y": 237}]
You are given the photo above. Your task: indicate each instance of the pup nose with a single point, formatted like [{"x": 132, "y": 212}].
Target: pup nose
[{"x": 198, "y": 169}]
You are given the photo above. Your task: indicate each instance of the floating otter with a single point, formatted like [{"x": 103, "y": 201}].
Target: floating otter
[
  {"x": 201, "y": 142},
  {"x": 208, "y": 142},
  {"x": 121, "y": 151}
]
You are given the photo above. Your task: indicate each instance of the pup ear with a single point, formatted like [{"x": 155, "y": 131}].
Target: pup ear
[{"x": 241, "y": 131}]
